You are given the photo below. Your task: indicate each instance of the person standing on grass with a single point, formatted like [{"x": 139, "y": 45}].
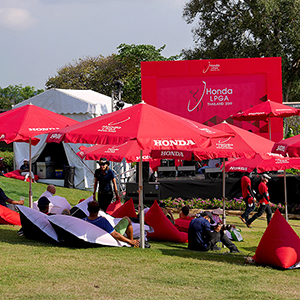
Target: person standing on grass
[
  {"x": 104, "y": 176},
  {"x": 124, "y": 226},
  {"x": 248, "y": 197},
  {"x": 263, "y": 202}
]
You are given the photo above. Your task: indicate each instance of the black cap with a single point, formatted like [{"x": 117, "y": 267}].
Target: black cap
[
  {"x": 209, "y": 214},
  {"x": 103, "y": 161},
  {"x": 43, "y": 202}
]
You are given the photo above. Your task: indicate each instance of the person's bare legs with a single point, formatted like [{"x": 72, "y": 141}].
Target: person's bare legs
[{"x": 129, "y": 230}]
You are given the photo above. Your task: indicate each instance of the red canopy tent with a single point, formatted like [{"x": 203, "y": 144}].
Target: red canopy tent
[
  {"x": 24, "y": 123},
  {"x": 262, "y": 164},
  {"x": 151, "y": 127},
  {"x": 265, "y": 111}
]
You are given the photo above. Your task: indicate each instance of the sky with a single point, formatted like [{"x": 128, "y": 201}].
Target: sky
[{"x": 38, "y": 37}]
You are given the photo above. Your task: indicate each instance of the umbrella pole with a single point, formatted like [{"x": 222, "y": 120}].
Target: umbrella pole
[
  {"x": 30, "y": 179},
  {"x": 141, "y": 204},
  {"x": 269, "y": 123},
  {"x": 223, "y": 174},
  {"x": 285, "y": 197}
]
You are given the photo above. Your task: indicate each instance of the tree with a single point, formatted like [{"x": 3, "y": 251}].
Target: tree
[
  {"x": 12, "y": 95},
  {"x": 100, "y": 73},
  {"x": 249, "y": 28}
]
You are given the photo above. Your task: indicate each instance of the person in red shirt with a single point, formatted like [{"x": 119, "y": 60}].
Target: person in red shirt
[
  {"x": 248, "y": 197},
  {"x": 264, "y": 201}
]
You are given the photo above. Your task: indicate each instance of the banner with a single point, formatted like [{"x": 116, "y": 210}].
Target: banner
[{"x": 209, "y": 91}]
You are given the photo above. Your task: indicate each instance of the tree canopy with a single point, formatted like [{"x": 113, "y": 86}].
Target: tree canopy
[
  {"x": 100, "y": 73},
  {"x": 248, "y": 28},
  {"x": 14, "y": 94}
]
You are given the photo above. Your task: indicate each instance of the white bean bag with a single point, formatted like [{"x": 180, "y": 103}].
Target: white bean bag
[
  {"x": 35, "y": 225},
  {"x": 78, "y": 233}
]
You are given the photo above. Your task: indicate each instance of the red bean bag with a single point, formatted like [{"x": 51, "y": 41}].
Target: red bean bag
[
  {"x": 127, "y": 209},
  {"x": 113, "y": 207},
  {"x": 279, "y": 245},
  {"x": 8, "y": 216},
  {"x": 164, "y": 230},
  {"x": 16, "y": 174},
  {"x": 182, "y": 224}
]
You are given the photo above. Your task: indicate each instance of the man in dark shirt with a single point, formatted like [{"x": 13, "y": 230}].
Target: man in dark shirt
[
  {"x": 204, "y": 238},
  {"x": 4, "y": 200}
]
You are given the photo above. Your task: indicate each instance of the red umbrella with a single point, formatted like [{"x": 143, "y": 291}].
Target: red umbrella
[
  {"x": 272, "y": 163},
  {"x": 129, "y": 150},
  {"x": 151, "y": 127},
  {"x": 265, "y": 111},
  {"x": 241, "y": 143},
  {"x": 290, "y": 146},
  {"x": 24, "y": 123}
]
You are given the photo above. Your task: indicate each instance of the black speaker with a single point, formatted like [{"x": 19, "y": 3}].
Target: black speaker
[
  {"x": 151, "y": 192},
  {"x": 145, "y": 171}
]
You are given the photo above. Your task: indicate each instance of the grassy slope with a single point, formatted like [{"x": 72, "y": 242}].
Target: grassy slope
[{"x": 35, "y": 270}]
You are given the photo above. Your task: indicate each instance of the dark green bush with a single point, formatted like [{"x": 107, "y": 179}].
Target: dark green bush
[{"x": 8, "y": 156}]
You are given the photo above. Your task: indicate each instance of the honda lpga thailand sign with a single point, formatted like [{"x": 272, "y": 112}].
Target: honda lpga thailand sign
[{"x": 209, "y": 91}]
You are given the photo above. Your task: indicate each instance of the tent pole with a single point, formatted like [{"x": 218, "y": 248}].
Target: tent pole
[
  {"x": 269, "y": 123},
  {"x": 141, "y": 203},
  {"x": 30, "y": 179},
  {"x": 285, "y": 197},
  {"x": 223, "y": 174}
]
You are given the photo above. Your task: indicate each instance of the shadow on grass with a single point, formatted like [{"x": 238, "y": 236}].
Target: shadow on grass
[
  {"x": 10, "y": 236},
  {"x": 218, "y": 256}
]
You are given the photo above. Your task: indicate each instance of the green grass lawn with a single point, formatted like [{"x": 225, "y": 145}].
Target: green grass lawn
[{"x": 36, "y": 270}]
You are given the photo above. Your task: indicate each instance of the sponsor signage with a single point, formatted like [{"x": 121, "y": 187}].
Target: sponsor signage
[{"x": 209, "y": 91}]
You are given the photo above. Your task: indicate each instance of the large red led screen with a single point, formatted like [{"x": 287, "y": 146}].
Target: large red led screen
[{"x": 209, "y": 91}]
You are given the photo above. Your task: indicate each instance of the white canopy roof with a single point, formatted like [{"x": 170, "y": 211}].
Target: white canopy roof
[{"x": 70, "y": 102}]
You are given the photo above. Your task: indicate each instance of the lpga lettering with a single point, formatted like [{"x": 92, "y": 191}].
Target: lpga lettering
[
  {"x": 216, "y": 96},
  {"x": 219, "y": 95}
]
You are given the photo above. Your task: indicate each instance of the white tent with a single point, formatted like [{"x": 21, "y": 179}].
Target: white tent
[{"x": 79, "y": 105}]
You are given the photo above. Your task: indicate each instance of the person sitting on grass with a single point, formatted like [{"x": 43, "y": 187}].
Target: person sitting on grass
[
  {"x": 43, "y": 205},
  {"x": 124, "y": 226},
  {"x": 186, "y": 215},
  {"x": 204, "y": 237},
  {"x": 11, "y": 203},
  {"x": 57, "y": 204}
]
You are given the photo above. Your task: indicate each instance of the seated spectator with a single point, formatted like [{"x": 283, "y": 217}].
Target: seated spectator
[
  {"x": 3, "y": 167},
  {"x": 203, "y": 237},
  {"x": 185, "y": 213},
  {"x": 124, "y": 226},
  {"x": 57, "y": 203},
  {"x": 43, "y": 205},
  {"x": 11, "y": 203},
  {"x": 24, "y": 170},
  {"x": 167, "y": 213},
  {"x": 51, "y": 190}
]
